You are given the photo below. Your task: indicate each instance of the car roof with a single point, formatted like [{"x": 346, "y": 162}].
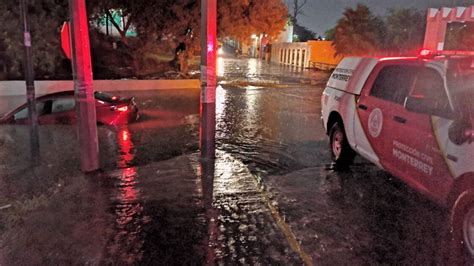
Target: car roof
[
  {"x": 56, "y": 95},
  {"x": 43, "y": 97}
]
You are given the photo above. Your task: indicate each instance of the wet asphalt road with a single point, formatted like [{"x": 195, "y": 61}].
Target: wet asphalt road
[{"x": 275, "y": 199}]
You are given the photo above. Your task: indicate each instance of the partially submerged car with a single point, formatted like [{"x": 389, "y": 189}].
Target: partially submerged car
[{"x": 60, "y": 108}]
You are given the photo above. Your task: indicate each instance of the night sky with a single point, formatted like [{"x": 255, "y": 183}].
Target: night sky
[{"x": 321, "y": 15}]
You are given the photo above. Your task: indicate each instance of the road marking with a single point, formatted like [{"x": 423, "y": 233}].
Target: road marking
[{"x": 284, "y": 227}]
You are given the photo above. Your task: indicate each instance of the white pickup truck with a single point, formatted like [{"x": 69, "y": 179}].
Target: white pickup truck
[{"x": 413, "y": 117}]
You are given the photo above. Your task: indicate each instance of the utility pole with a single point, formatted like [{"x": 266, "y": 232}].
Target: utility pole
[
  {"x": 208, "y": 118},
  {"x": 208, "y": 76},
  {"x": 30, "y": 85},
  {"x": 83, "y": 86}
]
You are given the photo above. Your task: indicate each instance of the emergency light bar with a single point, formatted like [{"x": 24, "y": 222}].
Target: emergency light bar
[{"x": 425, "y": 53}]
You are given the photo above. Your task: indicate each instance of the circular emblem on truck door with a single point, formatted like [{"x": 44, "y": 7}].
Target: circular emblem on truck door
[{"x": 375, "y": 122}]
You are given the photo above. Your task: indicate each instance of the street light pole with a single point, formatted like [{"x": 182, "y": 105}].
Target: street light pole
[
  {"x": 208, "y": 75},
  {"x": 84, "y": 91},
  {"x": 208, "y": 118},
  {"x": 30, "y": 85}
]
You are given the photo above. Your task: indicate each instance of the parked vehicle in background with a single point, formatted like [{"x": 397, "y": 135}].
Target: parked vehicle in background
[
  {"x": 60, "y": 108},
  {"x": 413, "y": 117}
]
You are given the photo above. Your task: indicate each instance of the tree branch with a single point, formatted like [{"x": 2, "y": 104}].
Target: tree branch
[{"x": 113, "y": 22}]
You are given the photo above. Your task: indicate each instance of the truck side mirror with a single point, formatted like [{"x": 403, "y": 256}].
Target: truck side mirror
[{"x": 460, "y": 132}]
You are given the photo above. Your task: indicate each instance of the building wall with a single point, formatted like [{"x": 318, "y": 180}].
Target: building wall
[
  {"x": 286, "y": 35},
  {"x": 323, "y": 55},
  {"x": 311, "y": 54},
  {"x": 294, "y": 54}
]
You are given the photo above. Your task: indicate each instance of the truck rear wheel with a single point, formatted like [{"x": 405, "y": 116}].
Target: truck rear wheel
[
  {"x": 341, "y": 153},
  {"x": 461, "y": 233}
]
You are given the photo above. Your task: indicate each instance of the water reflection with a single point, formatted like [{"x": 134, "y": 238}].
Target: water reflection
[
  {"x": 126, "y": 153},
  {"x": 206, "y": 172},
  {"x": 126, "y": 245}
]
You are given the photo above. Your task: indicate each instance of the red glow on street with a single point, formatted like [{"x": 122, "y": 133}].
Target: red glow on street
[
  {"x": 125, "y": 148},
  {"x": 125, "y": 135}
]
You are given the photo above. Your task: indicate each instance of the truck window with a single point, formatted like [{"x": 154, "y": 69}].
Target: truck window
[
  {"x": 394, "y": 83},
  {"x": 429, "y": 85}
]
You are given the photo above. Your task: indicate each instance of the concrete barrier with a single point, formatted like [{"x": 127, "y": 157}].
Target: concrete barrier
[{"x": 17, "y": 87}]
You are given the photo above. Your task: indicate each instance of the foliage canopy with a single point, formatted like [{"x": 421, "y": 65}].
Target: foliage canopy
[{"x": 358, "y": 32}]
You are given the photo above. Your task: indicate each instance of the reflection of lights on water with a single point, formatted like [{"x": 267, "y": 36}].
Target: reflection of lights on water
[
  {"x": 221, "y": 95},
  {"x": 220, "y": 101},
  {"x": 252, "y": 95},
  {"x": 126, "y": 155},
  {"x": 253, "y": 67},
  {"x": 220, "y": 67},
  {"x": 125, "y": 135},
  {"x": 127, "y": 244}
]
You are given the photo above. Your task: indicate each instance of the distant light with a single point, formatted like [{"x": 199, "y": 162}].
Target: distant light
[
  {"x": 254, "y": 36},
  {"x": 220, "y": 51},
  {"x": 114, "y": 98}
]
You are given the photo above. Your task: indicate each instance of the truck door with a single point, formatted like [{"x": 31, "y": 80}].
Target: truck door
[
  {"x": 383, "y": 94},
  {"x": 416, "y": 152}
]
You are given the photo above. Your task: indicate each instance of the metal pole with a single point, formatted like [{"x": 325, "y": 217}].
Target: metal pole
[
  {"x": 30, "y": 85},
  {"x": 208, "y": 118},
  {"x": 208, "y": 75},
  {"x": 84, "y": 91}
]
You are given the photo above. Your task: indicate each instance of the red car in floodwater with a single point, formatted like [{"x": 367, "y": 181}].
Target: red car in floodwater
[{"x": 59, "y": 108}]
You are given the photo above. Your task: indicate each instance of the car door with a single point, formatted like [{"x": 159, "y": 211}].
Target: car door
[
  {"x": 63, "y": 110},
  {"x": 21, "y": 116},
  {"x": 416, "y": 152},
  {"x": 384, "y": 92}
]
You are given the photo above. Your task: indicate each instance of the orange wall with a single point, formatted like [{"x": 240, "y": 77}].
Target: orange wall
[{"x": 323, "y": 52}]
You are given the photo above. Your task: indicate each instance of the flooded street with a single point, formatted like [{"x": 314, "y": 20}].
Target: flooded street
[{"x": 270, "y": 197}]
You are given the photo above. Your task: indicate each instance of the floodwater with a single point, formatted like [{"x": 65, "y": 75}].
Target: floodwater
[{"x": 269, "y": 197}]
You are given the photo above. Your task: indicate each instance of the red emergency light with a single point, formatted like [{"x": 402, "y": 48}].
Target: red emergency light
[{"x": 425, "y": 53}]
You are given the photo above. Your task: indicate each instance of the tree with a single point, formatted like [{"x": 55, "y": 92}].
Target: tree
[
  {"x": 297, "y": 9},
  {"x": 405, "y": 31},
  {"x": 45, "y": 20},
  {"x": 177, "y": 22},
  {"x": 100, "y": 9},
  {"x": 358, "y": 32},
  {"x": 241, "y": 19},
  {"x": 329, "y": 34},
  {"x": 303, "y": 34}
]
